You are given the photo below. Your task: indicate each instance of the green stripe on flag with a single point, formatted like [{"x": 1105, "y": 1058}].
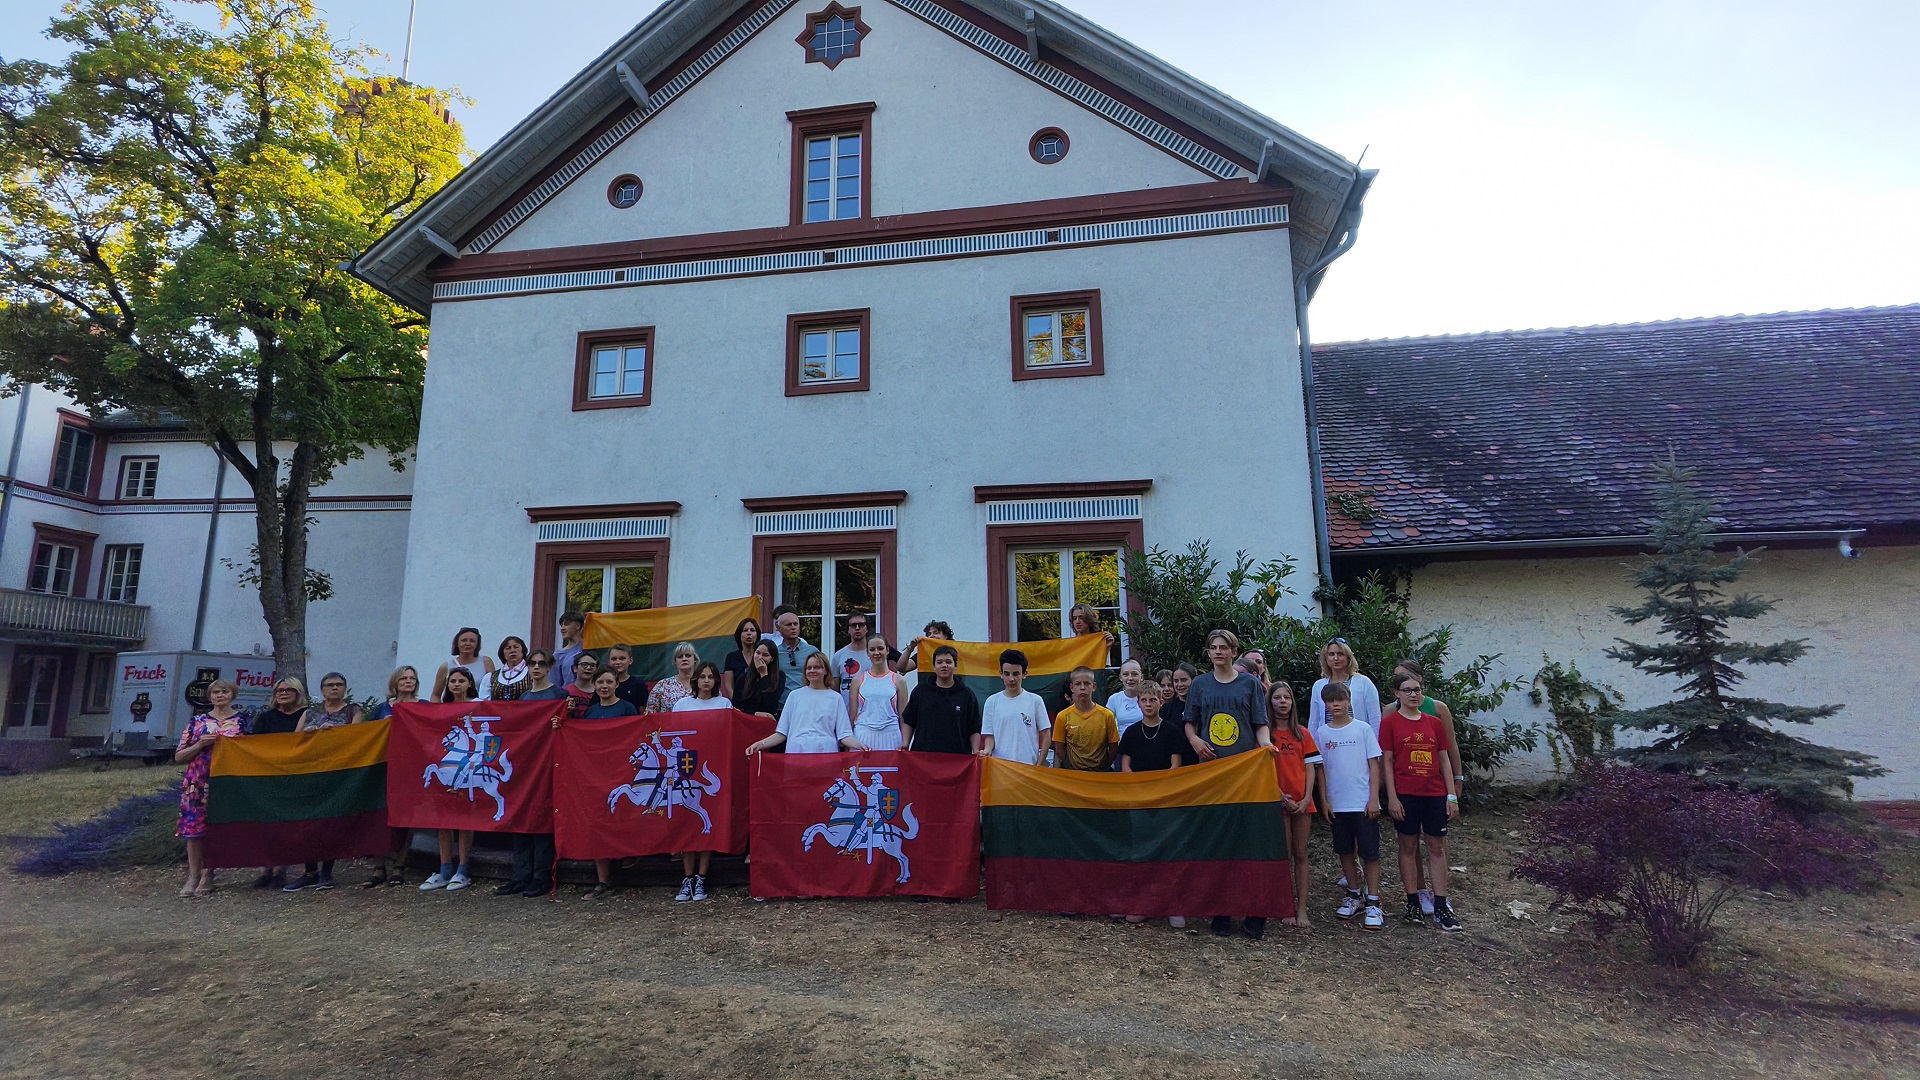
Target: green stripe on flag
[
  {"x": 1247, "y": 831},
  {"x": 655, "y": 662},
  {"x": 298, "y": 797}
]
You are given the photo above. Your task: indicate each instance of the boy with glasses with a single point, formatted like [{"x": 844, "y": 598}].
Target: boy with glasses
[
  {"x": 1420, "y": 796},
  {"x": 851, "y": 660}
]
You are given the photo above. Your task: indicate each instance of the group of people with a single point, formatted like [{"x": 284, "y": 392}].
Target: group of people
[{"x": 1343, "y": 761}]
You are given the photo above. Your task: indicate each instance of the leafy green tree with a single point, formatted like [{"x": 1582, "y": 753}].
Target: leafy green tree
[
  {"x": 177, "y": 204},
  {"x": 1710, "y": 733},
  {"x": 1185, "y": 598}
]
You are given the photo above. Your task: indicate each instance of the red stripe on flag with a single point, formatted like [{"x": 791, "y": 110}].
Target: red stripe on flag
[
  {"x": 866, "y": 824},
  {"x": 283, "y": 843},
  {"x": 1221, "y": 887},
  {"x": 624, "y": 788},
  {"x": 483, "y": 765}
]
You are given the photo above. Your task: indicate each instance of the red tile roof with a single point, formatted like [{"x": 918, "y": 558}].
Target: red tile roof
[{"x": 1794, "y": 421}]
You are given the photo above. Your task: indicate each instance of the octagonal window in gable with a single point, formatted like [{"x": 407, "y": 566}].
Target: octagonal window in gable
[{"x": 832, "y": 35}]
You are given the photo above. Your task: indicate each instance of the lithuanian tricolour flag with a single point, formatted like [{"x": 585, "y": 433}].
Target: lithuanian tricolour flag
[
  {"x": 274, "y": 800},
  {"x": 653, "y": 632},
  {"x": 1200, "y": 840},
  {"x": 1048, "y": 663}
]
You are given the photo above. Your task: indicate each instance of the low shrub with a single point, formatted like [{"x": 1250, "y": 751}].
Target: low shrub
[{"x": 1664, "y": 853}]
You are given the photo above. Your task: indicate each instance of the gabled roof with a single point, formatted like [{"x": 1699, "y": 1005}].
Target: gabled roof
[
  {"x": 1802, "y": 421},
  {"x": 661, "y": 45}
]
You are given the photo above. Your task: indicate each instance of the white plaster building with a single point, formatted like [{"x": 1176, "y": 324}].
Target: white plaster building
[
  {"x": 115, "y": 537},
  {"x": 920, "y": 308}
]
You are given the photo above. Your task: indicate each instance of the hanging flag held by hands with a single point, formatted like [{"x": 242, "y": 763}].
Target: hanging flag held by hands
[
  {"x": 274, "y": 800},
  {"x": 655, "y": 784},
  {"x": 1200, "y": 840},
  {"x": 482, "y": 765},
  {"x": 888, "y": 823},
  {"x": 653, "y": 632},
  {"x": 1048, "y": 663}
]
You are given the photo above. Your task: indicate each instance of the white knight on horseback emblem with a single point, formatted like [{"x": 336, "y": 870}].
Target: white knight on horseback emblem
[
  {"x": 666, "y": 776},
  {"x": 475, "y": 760},
  {"x": 866, "y": 817}
]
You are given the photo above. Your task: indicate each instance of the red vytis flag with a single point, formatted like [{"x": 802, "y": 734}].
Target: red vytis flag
[
  {"x": 482, "y": 765},
  {"x": 891, "y": 823},
  {"x": 654, "y": 785}
]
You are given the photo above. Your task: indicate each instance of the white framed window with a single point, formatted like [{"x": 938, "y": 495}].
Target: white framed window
[
  {"x": 54, "y": 566},
  {"x": 122, "y": 568},
  {"x": 605, "y": 587},
  {"x": 139, "y": 477},
  {"x": 99, "y": 688},
  {"x": 1058, "y": 338},
  {"x": 824, "y": 590},
  {"x": 834, "y": 166},
  {"x": 1046, "y": 583},
  {"x": 830, "y": 354}
]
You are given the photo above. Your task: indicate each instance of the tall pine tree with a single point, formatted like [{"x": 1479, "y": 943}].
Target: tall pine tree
[{"x": 1710, "y": 733}]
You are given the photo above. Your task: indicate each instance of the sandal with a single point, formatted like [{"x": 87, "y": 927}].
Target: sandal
[
  {"x": 395, "y": 879},
  {"x": 203, "y": 892},
  {"x": 600, "y": 889},
  {"x": 375, "y": 881}
]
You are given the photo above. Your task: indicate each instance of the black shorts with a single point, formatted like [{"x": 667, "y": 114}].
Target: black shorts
[
  {"x": 1355, "y": 827},
  {"x": 1425, "y": 814}
]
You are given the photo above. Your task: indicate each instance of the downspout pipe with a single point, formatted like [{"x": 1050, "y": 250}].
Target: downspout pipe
[
  {"x": 206, "y": 561},
  {"x": 13, "y": 461},
  {"x": 1349, "y": 234}
]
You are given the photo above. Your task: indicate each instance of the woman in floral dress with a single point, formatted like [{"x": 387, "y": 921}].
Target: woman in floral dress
[{"x": 220, "y": 721}]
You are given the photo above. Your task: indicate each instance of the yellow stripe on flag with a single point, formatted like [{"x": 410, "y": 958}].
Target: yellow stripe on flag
[
  {"x": 1243, "y": 778},
  {"x": 1043, "y": 657},
  {"x": 351, "y": 746},
  {"x": 666, "y": 625}
]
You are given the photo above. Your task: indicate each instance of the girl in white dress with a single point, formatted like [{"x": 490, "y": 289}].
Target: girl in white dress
[
  {"x": 814, "y": 719},
  {"x": 1125, "y": 705},
  {"x": 875, "y": 698}
]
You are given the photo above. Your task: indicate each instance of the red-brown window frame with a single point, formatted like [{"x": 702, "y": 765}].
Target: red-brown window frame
[
  {"x": 1096, "y": 345},
  {"x": 834, "y": 120},
  {"x": 1033, "y": 145},
  {"x": 882, "y": 543},
  {"x": 814, "y": 20},
  {"x": 1003, "y": 539},
  {"x": 96, "y": 464},
  {"x": 548, "y": 558},
  {"x": 587, "y": 342},
  {"x": 797, "y": 327},
  {"x": 73, "y": 538}
]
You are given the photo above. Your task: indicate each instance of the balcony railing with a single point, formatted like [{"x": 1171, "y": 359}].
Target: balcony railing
[{"x": 70, "y": 620}]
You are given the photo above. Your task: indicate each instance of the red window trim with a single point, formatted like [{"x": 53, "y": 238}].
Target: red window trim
[
  {"x": 120, "y": 481},
  {"x": 95, "y": 467},
  {"x": 1096, "y": 346},
  {"x": 1033, "y": 145},
  {"x": 63, "y": 691},
  {"x": 1003, "y": 539},
  {"x": 834, "y": 120},
  {"x": 844, "y": 501},
  {"x": 537, "y": 514},
  {"x": 798, "y": 325},
  {"x": 814, "y": 20},
  {"x": 74, "y": 538},
  {"x": 615, "y": 185},
  {"x": 586, "y": 343},
  {"x": 1080, "y": 490},
  {"x": 548, "y": 558},
  {"x": 883, "y": 543}
]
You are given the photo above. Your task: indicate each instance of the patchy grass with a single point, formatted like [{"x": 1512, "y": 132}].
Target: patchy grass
[
  {"x": 33, "y": 803},
  {"x": 111, "y": 974}
]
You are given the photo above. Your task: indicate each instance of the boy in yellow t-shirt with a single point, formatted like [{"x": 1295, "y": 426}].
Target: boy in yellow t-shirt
[{"x": 1085, "y": 735}]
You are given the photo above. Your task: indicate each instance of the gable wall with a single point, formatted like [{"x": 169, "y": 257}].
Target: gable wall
[{"x": 951, "y": 130}]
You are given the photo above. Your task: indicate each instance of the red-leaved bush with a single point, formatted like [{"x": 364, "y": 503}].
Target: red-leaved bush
[{"x": 1663, "y": 853}]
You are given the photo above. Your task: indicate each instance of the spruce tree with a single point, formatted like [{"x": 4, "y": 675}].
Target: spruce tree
[{"x": 1710, "y": 733}]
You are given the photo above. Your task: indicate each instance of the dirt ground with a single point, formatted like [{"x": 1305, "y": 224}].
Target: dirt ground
[{"x": 112, "y": 974}]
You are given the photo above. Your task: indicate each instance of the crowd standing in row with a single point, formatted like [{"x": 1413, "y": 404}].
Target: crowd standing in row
[{"x": 1347, "y": 763}]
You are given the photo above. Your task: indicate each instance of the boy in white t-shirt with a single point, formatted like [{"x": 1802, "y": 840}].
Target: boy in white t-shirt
[
  {"x": 1014, "y": 724},
  {"x": 1350, "y": 755}
]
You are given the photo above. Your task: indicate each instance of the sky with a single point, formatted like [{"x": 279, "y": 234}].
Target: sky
[{"x": 1541, "y": 164}]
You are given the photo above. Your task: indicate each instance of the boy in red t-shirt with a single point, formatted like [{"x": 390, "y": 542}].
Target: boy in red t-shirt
[
  {"x": 1420, "y": 795},
  {"x": 1296, "y": 756}
]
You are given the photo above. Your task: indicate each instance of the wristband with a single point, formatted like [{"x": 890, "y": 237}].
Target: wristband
[{"x": 1453, "y": 798}]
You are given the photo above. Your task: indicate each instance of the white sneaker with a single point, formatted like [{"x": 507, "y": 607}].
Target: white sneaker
[
  {"x": 459, "y": 881},
  {"x": 437, "y": 881},
  {"x": 1178, "y": 922},
  {"x": 699, "y": 888},
  {"x": 1426, "y": 901},
  {"x": 1344, "y": 883},
  {"x": 1375, "y": 920},
  {"x": 1349, "y": 906},
  {"x": 686, "y": 891}
]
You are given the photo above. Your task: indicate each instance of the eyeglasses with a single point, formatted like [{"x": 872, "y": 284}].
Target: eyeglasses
[
  {"x": 1337, "y": 641},
  {"x": 539, "y": 663},
  {"x": 1412, "y": 689}
]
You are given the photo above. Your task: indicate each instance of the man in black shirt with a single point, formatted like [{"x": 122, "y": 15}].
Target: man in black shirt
[{"x": 943, "y": 716}]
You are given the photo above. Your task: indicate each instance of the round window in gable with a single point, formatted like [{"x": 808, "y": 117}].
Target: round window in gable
[
  {"x": 1048, "y": 145},
  {"x": 624, "y": 191}
]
